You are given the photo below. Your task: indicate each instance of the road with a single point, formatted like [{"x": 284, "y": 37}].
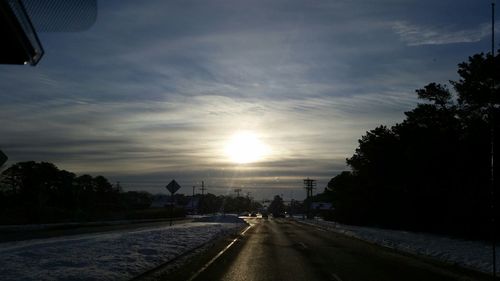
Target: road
[{"x": 281, "y": 249}]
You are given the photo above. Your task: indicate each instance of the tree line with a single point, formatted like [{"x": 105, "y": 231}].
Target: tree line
[
  {"x": 431, "y": 172},
  {"x": 36, "y": 192},
  {"x": 40, "y": 192},
  {"x": 211, "y": 203}
]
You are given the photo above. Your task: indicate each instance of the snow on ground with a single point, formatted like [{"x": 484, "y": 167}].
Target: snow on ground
[
  {"x": 118, "y": 255},
  {"x": 471, "y": 254}
]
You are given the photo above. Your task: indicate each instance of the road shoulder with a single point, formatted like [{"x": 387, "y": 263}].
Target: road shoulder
[
  {"x": 187, "y": 265},
  {"x": 432, "y": 263}
]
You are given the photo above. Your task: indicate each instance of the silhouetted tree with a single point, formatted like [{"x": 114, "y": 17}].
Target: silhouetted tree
[
  {"x": 31, "y": 187},
  {"x": 136, "y": 199},
  {"x": 210, "y": 203},
  {"x": 431, "y": 171},
  {"x": 32, "y": 192},
  {"x": 277, "y": 207}
]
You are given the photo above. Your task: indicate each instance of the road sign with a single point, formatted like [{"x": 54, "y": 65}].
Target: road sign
[
  {"x": 3, "y": 158},
  {"x": 173, "y": 186}
]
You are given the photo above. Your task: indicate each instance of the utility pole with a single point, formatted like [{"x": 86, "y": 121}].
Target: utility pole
[
  {"x": 202, "y": 203},
  {"x": 203, "y": 188},
  {"x": 309, "y": 185},
  {"x": 237, "y": 190},
  {"x": 193, "y": 190},
  {"x": 492, "y": 143}
]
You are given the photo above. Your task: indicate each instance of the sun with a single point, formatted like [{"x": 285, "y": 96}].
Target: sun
[{"x": 245, "y": 147}]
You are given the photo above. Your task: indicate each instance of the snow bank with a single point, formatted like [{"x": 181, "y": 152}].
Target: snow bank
[
  {"x": 471, "y": 254},
  {"x": 116, "y": 255}
]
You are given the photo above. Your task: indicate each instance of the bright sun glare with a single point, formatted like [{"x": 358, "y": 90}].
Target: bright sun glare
[{"x": 245, "y": 147}]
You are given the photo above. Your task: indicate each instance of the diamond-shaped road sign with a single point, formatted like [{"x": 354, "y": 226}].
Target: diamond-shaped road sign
[{"x": 173, "y": 186}]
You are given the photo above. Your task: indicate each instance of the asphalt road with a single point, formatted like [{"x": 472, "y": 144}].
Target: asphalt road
[{"x": 280, "y": 249}]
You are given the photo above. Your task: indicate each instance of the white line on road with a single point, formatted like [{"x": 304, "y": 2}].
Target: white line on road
[{"x": 218, "y": 255}]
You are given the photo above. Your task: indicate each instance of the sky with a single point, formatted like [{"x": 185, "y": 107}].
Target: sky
[{"x": 156, "y": 90}]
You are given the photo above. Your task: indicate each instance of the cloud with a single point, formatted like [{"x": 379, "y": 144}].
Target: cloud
[
  {"x": 188, "y": 133},
  {"x": 154, "y": 98},
  {"x": 415, "y": 35}
]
